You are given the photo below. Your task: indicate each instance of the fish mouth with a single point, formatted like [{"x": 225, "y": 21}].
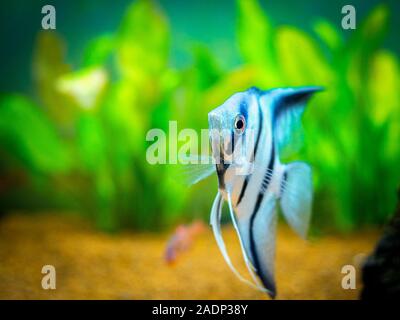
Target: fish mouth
[
  {"x": 216, "y": 141},
  {"x": 217, "y": 148},
  {"x": 221, "y": 169},
  {"x": 227, "y": 155},
  {"x": 218, "y": 154},
  {"x": 220, "y": 142}
]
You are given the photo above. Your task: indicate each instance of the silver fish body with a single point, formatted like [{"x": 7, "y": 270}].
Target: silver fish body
[{"x": 253, "y": 180}]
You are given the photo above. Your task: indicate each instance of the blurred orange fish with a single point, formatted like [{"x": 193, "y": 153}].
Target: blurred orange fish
[{"x": 182, "y": 239}]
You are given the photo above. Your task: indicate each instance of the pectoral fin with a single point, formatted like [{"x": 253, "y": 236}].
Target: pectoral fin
[{"x": 195, "y": 168}]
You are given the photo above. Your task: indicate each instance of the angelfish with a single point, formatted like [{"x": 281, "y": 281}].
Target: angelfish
[{"x": 271, "y": 116}]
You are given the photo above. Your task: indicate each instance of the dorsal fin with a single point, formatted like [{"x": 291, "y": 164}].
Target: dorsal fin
[{"x": 287, "y": 106}]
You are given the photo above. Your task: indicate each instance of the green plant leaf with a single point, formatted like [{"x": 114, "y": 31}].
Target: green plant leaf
[
  {"x": 300, "y": 59},
  {"x": 27, "y": 134},
  {"x": 48, "y": 65}
]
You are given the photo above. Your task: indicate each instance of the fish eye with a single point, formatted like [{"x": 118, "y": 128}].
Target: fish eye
[{"x": 240, "y": 124}]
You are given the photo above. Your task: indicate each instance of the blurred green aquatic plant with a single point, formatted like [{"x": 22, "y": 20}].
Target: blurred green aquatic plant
[{"x": 82, "y": 143}]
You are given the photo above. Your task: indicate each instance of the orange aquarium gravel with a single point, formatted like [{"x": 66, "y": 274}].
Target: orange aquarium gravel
[{"x": 94, "y": 265}]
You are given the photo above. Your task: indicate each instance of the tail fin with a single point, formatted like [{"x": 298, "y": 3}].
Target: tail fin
[{"x": 296, "y": 196}]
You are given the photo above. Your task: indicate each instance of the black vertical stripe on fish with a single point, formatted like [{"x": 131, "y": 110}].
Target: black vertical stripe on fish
[
  {"x": 221, "y": 168},
  {"x": 232, "y": 144},
  {"x": 243, "y": 109},
  {"x": 246, "y": 180},
  {"x": 260, "y": 197},
  {"x": 260, "y": 116},
  {"x": 284, "y": 179},
  {"x": 268, "y": 174},
  {"x": 244, "y": 187},
  {"x": 228, "y": 148}
]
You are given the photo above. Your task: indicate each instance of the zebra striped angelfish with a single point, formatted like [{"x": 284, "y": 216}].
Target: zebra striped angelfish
[{"x": 272, "y": 117}]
